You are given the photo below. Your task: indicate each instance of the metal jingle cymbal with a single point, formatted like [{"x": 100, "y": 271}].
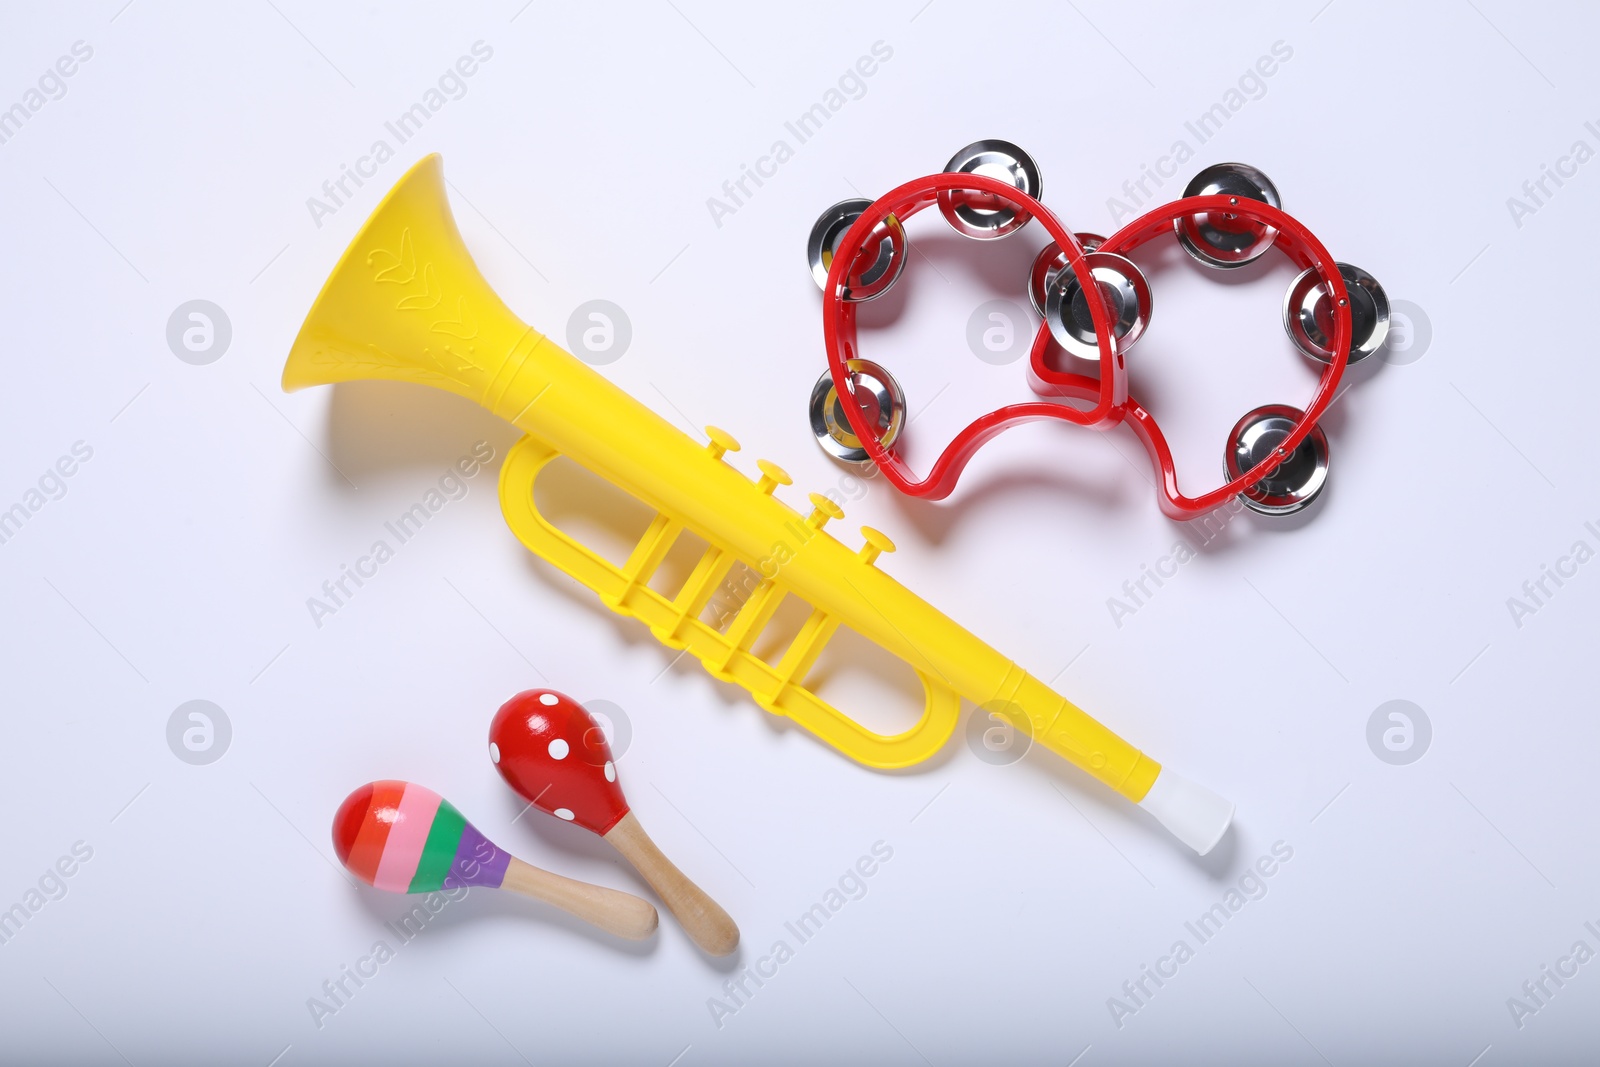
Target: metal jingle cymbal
[
  {"x": 1048, "y": 263},
  {"x": 881, "y": 259},
  {"x": 879, "y": 395},
  {"x": 1221, "y": 240},
  {"x": 979, "y": 215},
  {"x": 1295, "y": 482},
  {"x": 1127, "y": 296},
  {"x": 1308, "y": 314}
]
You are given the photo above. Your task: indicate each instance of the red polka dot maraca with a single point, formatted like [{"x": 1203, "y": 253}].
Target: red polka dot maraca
[{"x": 552, "y": 752}]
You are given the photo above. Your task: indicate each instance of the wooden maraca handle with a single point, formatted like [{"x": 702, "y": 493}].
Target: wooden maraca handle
[
  {"x": 702, "y": 917},
  {"x": 617, "y": 913}
]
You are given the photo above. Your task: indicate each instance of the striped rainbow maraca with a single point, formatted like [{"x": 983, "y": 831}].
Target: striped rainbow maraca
[{"x": 405, "y": 838}]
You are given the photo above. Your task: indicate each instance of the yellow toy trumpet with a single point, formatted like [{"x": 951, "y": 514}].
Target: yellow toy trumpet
[{"x": 407, "y": 303}]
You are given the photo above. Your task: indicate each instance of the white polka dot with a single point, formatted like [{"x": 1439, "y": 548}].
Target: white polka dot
[
  {"x": 564, "y": 813},
  {"x": 549, "y": 699},
  {"x": 494, "y": 752},
  {"x": 559, "y": 749},
  {"x": 611, "y": 771}
]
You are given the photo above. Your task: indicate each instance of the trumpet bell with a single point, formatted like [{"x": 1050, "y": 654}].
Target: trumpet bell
[{"x": 407, "y": 303}]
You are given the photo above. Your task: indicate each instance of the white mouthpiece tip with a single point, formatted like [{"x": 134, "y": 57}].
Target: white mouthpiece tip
[{"x": 1195, "y": 815}]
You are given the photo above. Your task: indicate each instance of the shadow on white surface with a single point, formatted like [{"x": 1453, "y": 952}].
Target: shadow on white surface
[{"x": 379, "y": 428}]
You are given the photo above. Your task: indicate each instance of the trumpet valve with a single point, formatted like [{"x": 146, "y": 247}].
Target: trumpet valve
[
  {"x": 721, "y": 442},
  {"x": 772, "y": 476},
  {"x": 825, "y": 509},
  {"x": 877, "y": 543}
]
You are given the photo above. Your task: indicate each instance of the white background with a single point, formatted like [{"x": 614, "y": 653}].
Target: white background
[{"x": 1019, "y": 898}]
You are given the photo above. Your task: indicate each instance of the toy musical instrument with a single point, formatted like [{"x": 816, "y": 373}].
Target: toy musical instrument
[
  {"x": 405, "y": 838},
  {"x": 1095, "y": 303},
  {"x": 407, "y": 303},
  {"x": 551, "y": 751}
]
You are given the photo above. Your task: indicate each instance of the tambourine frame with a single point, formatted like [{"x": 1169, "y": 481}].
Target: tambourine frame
[{"x": 1109, "y": 392}]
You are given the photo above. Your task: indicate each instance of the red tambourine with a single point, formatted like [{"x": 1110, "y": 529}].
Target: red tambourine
[{"x": 1266, "y": 464}]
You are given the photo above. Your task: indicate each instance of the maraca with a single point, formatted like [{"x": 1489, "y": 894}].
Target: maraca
[
  {"x": 552, "y": 752},
  {"x": 405, "y": 838}
]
